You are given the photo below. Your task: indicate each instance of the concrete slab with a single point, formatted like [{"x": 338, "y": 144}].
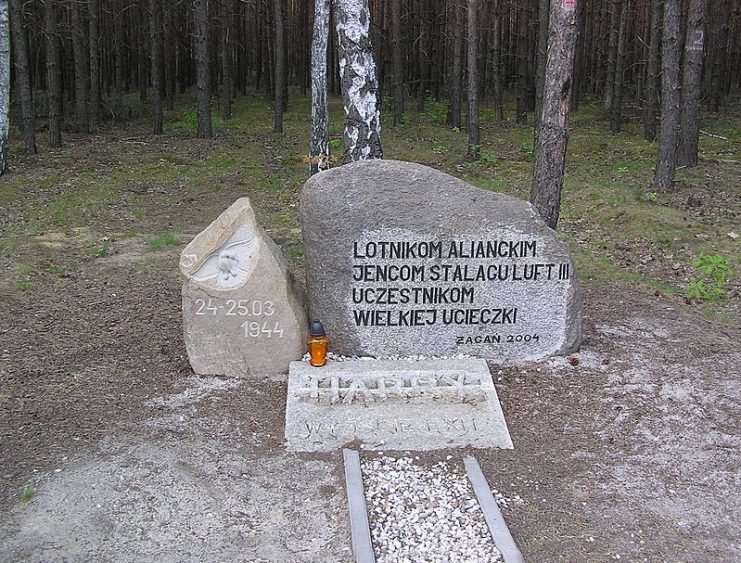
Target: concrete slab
[{"x": 394, "y": 405}]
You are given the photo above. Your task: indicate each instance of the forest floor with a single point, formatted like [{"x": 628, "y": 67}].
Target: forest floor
[{"x": 112, "y": 449}]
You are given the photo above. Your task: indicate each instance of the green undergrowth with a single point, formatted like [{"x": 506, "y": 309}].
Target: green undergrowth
[{"x": 124, "y": 181}]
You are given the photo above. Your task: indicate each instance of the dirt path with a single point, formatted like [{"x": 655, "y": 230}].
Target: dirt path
[{"x": 633, "y": 452}]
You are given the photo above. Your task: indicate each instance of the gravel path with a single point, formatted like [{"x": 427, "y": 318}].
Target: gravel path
[{"x": 424, "y": 514}]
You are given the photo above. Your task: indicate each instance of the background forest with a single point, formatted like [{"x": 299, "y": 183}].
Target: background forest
[
  {"x": 109, "y": 177},
  {"x": 101, "y": 70},
  {"x": 78, "y": 62}
]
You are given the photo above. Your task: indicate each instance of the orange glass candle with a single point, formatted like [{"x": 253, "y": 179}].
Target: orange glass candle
[{"x": 318, "y": 344}]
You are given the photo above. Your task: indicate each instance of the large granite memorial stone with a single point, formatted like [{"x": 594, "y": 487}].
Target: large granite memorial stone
[
  {"x": 404, "y": 260},
  {"x": 241, "y": 313}
]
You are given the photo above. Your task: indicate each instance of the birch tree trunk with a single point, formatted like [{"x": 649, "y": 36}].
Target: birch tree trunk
[
  {"x": 474, "y": 133},
  {"x": 667, "y": 156},
  {"x": 203, "y": 74},
  {"x": 553, "y": 135},
  {"x": 654, "y": 63},
  {"x": 319, "y": 138},
  {"x": 4, "y": 84},
  {"x": 23, "y": 75},
  {"x": 359, "y": 83},
  {"x": 53, "y": 76},
  {"x": 692, "y": 84}
]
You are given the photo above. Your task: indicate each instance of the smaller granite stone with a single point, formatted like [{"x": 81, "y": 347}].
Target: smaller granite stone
[{"x": 242, "y": 315}]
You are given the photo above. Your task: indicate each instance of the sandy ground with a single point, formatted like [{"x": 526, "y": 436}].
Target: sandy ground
[{"x": 629, "y": 449}]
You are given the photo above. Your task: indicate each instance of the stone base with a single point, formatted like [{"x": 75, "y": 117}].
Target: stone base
[{"x": 394, "y": 405}]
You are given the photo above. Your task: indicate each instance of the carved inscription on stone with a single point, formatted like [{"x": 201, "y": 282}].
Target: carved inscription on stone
[
  {"x": 380, "y": 428},
  {"x": 405, "y": 404},
  {"x": 348, "y": 388},
  {"x": 465, "y": 292}
]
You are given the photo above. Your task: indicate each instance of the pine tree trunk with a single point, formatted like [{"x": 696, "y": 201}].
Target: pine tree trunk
[
  {"x": 4, "y": 84},
  {"x": 689, "y": 120},
  {"x": 579, "y": 60},
  {"x": 81, "y": 70},
  {"x": 670, "y": 97},
  {"x": 170, "y": 54},
  {"x": 597, "y": 54},
  {"x": 653, "y": 72},
  {"x": 155, "y": 28},
  {"x": 553, "y": 136},
  {"x": 474, "y": 134},
  {"x": 319, "y": 139},
  {"x": 203, "y": 70},
  {"x": 398, "y": 62},
  {"x": 362, "y": 139},
  {"x": 304, "y": 59},
  {"x": 286, "y": 65},
  {"x": 544, "y": 7},
  {"x": 521, "y": 56},
  {"x": 616, "y": 109},
  {"x": 456, "y": 79},
  {"x": 532, "y": 53},
  {"x": 425, "y": 52},
  {"x": 437, "y": 51},
  {"x": 280, "y": 61},
  {"x": 53, "y": 74},
  {"x": 143, "y": 30},
  {"x": 496, "y": 65},
  {"x": 720, "y": 53},
  {"x": 23, "y": 75},
  {"x": 119, "y": 45},
  {"x": 226, "y": 66},
  {"x": 95, "y": 74},
  {"x": 612, "y": 51}
]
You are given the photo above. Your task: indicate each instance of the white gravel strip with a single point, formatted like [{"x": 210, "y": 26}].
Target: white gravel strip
[{"x": 424, "y": 514}]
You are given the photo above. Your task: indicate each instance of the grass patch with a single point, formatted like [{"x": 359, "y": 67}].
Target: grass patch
[
  {"x": 716, "y": 274},
  {"x": 162, "y": 241},
  {"x": 101, "y": 249},
  {"x": 27, "y": 493},
  {"x": 187, "y": 120}
]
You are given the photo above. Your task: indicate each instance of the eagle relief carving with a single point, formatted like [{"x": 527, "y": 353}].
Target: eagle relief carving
[{"x": 231, "y": 264}]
